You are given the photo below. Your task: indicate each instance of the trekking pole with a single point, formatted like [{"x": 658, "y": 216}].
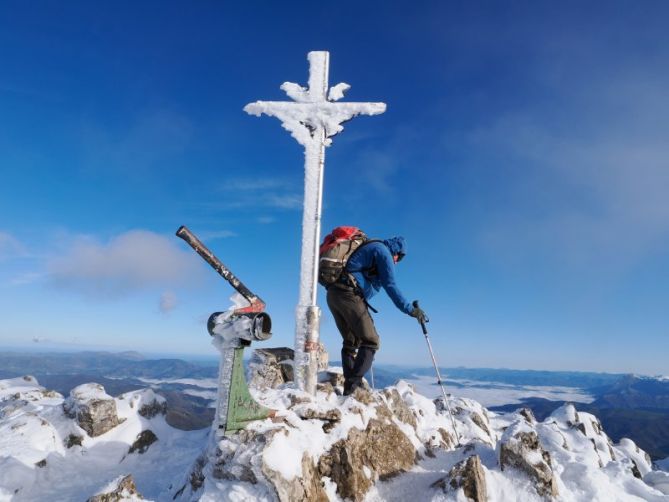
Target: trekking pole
[
  {"x": 371, "y": 369},
  {"x": 422, "y": 322}
]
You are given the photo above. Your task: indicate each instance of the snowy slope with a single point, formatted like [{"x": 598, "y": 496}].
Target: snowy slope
[
  {"x": 36, "y": 463},
  {"x": 286, "y": 457},
  {"x": 399, "y": 444}
]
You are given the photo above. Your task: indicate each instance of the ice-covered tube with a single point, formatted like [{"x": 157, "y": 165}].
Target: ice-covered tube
[{"x": 247, "y": 326}]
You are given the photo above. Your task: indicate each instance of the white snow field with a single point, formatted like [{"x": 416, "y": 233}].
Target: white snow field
[
  {"x": 586, "y": 464},
  {"x": 37, "y": 465},
  {"x": 34, "y": 428},
  {"x": 498, "y": 394}
]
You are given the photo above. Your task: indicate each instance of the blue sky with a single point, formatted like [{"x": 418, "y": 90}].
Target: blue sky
[{"x": 523, "y": 155}]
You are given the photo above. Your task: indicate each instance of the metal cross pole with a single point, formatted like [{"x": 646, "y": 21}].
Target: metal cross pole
[{"x": 312, "y": 118}]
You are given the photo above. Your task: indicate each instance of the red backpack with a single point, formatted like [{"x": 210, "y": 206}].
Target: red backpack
[{"x": 337, "y": 248}]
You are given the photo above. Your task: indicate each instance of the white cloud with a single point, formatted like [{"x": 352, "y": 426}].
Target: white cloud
[
  {"x": 26, "y": 278},
  {"x": 168, "y": 302},
  {"x": 133, "y": 261},
  {"x": 244, "y": 193},
  {"x": 216, "y": 234},
  {"x": 254, "y": 185},
  {"x": 10, "y": 247},
  {"x": 283, "y": 201},
  {"x": 585, "y": 179},
  {"x": 583, "y": 198}
]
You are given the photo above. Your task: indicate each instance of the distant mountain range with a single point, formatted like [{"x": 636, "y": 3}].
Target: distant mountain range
[
  {"x": 631, "y": 392},
  {"x": 118, "y": 365},
  {"x": 119, "y": 373}
]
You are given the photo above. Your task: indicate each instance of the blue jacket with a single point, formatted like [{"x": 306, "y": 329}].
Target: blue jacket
[{"x": 378, "y": 257}]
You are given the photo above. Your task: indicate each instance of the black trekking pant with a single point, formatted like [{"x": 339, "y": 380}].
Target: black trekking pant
[
  {"x": 352, "y": 318},
  {"x": 356, "y": 326}
]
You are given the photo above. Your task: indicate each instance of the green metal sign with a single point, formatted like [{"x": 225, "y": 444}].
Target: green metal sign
[{"x": 242, "y": 408}]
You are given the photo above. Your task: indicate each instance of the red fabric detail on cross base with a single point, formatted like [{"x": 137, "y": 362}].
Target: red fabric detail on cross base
[{"x": 337, "y": 235}]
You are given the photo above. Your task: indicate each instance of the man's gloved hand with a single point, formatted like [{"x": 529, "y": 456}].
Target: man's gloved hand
[{"x": 418, "y": 313}]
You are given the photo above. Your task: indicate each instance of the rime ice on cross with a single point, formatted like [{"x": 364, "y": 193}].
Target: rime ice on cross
[{"x": 312, "y": 118}]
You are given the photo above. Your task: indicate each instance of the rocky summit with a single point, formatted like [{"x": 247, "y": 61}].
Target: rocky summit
[
  {"x": 395, "y": 444},
  {"x": 390, "y": 444}
]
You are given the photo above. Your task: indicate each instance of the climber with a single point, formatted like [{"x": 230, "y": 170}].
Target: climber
[{"x": 367, "y": 270}]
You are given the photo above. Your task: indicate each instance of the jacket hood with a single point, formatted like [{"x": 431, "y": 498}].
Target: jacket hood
[{"x": 396, "y": 245}]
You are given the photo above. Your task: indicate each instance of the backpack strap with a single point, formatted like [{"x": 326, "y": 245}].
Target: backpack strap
[
  {"x": 348, "y": 276},
  {"x": 368, "y": 241}
]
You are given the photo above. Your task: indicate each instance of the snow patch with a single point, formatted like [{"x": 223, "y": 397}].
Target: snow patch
[
  {"x": 36, "y": 461},
  {"x": 284, "y": 456},
  {"x": 586, "y": 464}
]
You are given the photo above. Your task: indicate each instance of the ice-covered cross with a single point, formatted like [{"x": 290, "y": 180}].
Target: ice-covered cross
[{"x": 313, "y": 118}]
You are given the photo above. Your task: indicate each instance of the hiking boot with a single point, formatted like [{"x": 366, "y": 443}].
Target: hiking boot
[
  {"x": 347, "y": 361},
  {"x": 363, "y": 362},
  {"x": 350, "y": 385}
]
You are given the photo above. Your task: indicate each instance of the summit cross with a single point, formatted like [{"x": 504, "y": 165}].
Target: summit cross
[{"x": 313, "y": 118}]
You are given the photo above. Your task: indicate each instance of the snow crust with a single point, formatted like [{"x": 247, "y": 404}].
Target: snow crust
[
  {"x": 229, "y": 329},
  {"x": 313, "y": 108},
  {"x": 300, "y": 120},
  {"x": 89, "y": 392},
  {"x": 586, "y": 464},
  {"x": 34, "y": 429},
  {"x": 114, "y": 485},
  {"x": 658, "y": 480}
]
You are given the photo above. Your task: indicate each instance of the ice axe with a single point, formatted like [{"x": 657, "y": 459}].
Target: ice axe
[{"x": 422, "y": 320}]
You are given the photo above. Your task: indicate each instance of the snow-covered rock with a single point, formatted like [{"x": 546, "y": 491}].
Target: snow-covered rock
[
  {"x": 379, "y": 451},
  {"x": 352, "y": 442},
  {"x": 46, "y": 455},
  {"x": 144, "y": 439},
  {"x": 467, "y": 475},
  {"x": 121, "y": 489},
  {"x": 395, "y": 444},
  {"x": 270, "y": 367},
  {"x": 148, "y": 403},
  {"x": 94, "y": 409},
  {"x": 399, "y": 407},
  {"x": 392, "y": 444},
  {"x": 520, "y": 448}
]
